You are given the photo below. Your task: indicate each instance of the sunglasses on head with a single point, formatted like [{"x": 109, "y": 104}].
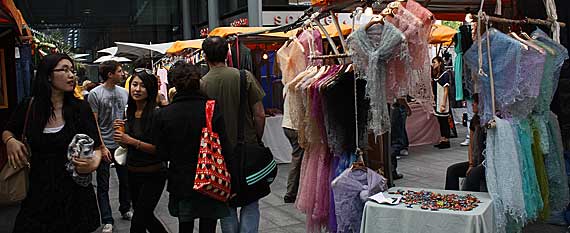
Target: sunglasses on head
[{"x": 139, "y": 70}]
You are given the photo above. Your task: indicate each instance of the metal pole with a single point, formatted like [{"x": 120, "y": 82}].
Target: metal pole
[
  {"x": 254, "y": 10},
  {"x": 186, "y": 20},
  {"x": 213, "y": 14}
]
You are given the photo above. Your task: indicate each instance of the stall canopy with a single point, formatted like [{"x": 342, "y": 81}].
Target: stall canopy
[
  {"x": 226, "y": 31},
  {"x": 141, "y": 50},
  {"x": 180, "y": 46},
  {"x": 111, "y": 58},
  {"x": 441, "y": 34},
  {"x": 110, "y": 50}
]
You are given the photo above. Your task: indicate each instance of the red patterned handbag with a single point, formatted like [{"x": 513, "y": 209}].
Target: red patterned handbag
[{"x": 212, "y": 176}]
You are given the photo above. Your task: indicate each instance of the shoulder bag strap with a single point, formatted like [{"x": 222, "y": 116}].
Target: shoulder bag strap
[
  {"x": 242, "y": 106},
  {"x": 210, "y": 104}
]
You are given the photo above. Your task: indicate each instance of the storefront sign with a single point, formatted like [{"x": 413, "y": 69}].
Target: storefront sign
[{"x": 279, "y": 18}]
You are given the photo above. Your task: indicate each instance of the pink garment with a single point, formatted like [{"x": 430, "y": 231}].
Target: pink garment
[
  {"x": 163, "y": 76},
  {"x": 421, "y": 70},
  {"x": 288, "y": 58},
  {"x": 399, "y": 79},
  {"x": 312, "y": 42},
  {"x": 422, "y": 125},
  {"x": 314, "y": 187}
]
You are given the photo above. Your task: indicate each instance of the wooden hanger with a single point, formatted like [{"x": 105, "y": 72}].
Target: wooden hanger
[{"x": 359, "y": 163}]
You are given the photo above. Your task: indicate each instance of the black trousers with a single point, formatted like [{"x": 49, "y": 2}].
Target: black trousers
[
  {"x": 206, "y": 225},
  {"x": 444, "y": 126},
  {"x": 472, "y": 182},
  {"x": 146, "y": 189}
]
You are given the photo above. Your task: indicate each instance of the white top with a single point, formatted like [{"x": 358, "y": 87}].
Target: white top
[{"x": 54, "y": 129}]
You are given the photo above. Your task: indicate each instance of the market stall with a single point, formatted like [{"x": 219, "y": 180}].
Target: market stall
[{"x": 335, "y": 103}]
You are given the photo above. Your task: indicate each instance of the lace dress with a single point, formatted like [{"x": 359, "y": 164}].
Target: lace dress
[
  {"x": 532, "y": 199},
  {"x": 290, "y": 66},
  {"x": 506, "y": 54},
  {"x": 504, "y": 181},
  {"x": 351, "y": 190},
  {"x": 419, "y": 49},
  {"x": 547, "y": 123},
  {"x": 399, "y": 80},
  {"x": 370, "y": 52}
]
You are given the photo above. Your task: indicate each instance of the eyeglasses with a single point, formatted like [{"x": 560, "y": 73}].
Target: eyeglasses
[
  {"x": 138, "y": 70},
  {"x": 66, "y": 70}
]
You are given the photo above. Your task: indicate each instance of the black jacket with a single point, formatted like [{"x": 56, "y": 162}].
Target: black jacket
[{"x": 178, "y": 128}]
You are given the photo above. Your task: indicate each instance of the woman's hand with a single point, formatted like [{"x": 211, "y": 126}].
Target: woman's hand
[
  {"x": 87, "y": 165},
  {"x": 17, "y": 153},
  {"x": 442, "y": 108},
  {"x": 122, "y": 138}
]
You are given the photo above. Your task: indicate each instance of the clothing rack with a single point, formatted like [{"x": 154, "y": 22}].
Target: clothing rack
[
  {"x": 344, "y": 55},
  {"x": 523, "y": 21}
]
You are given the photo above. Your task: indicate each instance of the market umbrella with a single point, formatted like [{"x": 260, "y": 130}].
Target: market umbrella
[
  {"x": 331, "y": 29},
  {"x": 179, "y": 46},
  {"x": 80, "y": 55},
  {"x": 110, "y": 50},
  {"x": 141, "y": 50},
  {"x": 441, "y": 34},
  {"x": 111, "y": 58}
]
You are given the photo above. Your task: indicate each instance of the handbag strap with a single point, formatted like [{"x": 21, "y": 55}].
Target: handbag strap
[
  {"x": 242, "y": 106},
  {"x": 24, "y": 138},
  {"x": 210, "y": 104}
]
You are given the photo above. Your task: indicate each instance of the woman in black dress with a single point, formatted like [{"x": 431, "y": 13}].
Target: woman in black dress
[
  {"x": 178, "y": 128},
  {"x": 147, "y": 174},
  {"x": 55, "y": 203}
]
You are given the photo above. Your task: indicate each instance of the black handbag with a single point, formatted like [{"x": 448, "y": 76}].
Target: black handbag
[{"x": 252, "y": 167}]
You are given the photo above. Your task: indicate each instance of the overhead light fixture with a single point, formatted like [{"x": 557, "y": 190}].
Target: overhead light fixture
[{"x": 368, "y": 11}]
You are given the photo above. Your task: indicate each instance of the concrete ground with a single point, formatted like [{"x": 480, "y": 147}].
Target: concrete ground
[{"x": 425, "y": 167}]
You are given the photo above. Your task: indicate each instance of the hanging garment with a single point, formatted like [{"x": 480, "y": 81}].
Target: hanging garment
[
  {"x": 540, "y": 168},
  {"x": 313, "y": 45},
  {"x": 506, "y": 56},
  {"x": 504, "y": 181},
  {"x": 552, "y": 69},
  {"x": 548, "y": 127},
  {"x": 532, "y": 199},
  {"x": 458, "y": 66},
  {"x": 370, "y": 52},
  {"x": 399, "y": 79},
  {"x": 351, "y": 189},
  {"x": 528, "y": 79},
  {"x": 290, "y": 66},
  {"x": 421, "y": 61}
]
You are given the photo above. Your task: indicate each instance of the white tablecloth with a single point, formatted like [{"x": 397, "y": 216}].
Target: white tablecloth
[
  {"x": 382, "y": 218},
  {"x": 275, "y": 139}
]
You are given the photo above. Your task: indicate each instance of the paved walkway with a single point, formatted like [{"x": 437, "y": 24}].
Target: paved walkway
[{"x": 425, "y": 167}]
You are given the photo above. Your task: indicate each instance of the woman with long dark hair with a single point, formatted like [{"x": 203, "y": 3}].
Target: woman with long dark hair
[
  {"x": 178, "y": 130},
  {"x": 440, "y": 83},
  {"x": 147, "y": 174},
  {"x": 55, "y": 202}
]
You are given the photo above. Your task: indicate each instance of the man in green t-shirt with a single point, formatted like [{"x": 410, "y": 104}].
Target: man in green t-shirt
[{"x": 223, "y": 84}]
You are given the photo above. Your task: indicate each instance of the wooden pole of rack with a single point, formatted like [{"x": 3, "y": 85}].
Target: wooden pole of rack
[{"x": 523, "y": 21}]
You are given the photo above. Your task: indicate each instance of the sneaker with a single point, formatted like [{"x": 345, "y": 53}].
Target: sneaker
[
  {"x": 107, "y": 228},
  {"x": 465, "y": 143},
  {"x": 404, "y": 152},
  {"x": 127, "y": 215}
]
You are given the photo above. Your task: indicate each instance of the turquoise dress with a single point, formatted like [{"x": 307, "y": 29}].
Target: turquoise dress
[{"x": 549, "y": 129}]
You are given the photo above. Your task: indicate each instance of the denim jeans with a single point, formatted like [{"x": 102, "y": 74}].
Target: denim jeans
[
  {"x": 103, "y": 174},
  {"x": 24, "y": 72},
  {"x": 248, "y": 219},
  {"x": 399, "y": 135}
]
